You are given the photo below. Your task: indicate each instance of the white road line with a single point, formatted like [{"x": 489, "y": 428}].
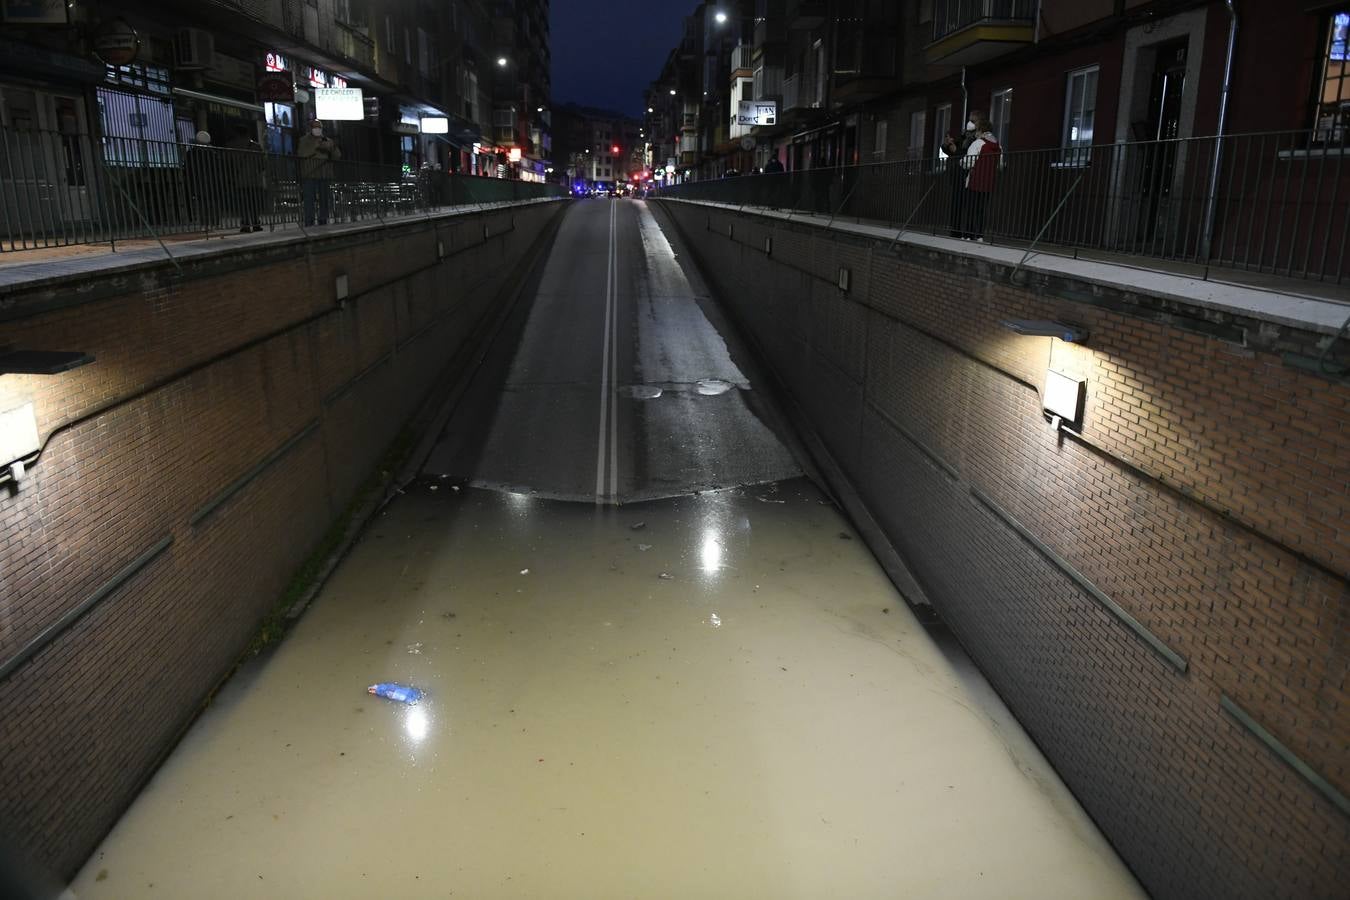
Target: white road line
[
  {"x": 614, "y": 361},
  {"x": 604, "y": 371}
]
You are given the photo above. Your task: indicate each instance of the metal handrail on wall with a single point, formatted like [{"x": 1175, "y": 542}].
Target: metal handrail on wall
[
  {"x": 1280, "y": 200},
  {"x": 59, "y": 189}
]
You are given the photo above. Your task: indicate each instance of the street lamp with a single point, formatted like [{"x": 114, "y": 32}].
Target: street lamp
[
  {"x": 672, "y": 92},
  {"x": 501, "y": 61},
  {"x": 720, "y": 17}
]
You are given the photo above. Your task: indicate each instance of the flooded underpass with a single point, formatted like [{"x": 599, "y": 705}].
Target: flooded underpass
[{"x": 656, "y": 660}]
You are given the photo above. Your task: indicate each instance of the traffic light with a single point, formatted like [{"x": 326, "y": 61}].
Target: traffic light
[{"x": 614, "y": 149}]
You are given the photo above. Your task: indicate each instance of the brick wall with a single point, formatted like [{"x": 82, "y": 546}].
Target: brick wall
[
  {"x": 1205, "y": 498},
  {"x": 228, "y": 418}
]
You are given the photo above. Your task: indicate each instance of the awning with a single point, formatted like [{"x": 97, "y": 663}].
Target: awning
[{"x": 212, "y": 98}]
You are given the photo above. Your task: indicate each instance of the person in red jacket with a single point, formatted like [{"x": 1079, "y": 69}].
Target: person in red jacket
[{"x": 981, "y": 164}]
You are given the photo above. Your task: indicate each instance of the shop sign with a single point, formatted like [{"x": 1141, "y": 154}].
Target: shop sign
[
  {"x": 342, "y": 104},
  {"x": 35, "y": 12},
  {"x": 757, "y": 112},
  {"x": 275, "y": 62},
  {"x": 404, "y": 128},
  {"x": 276, "y": 87},
  {"x": 116, "y": 43}
]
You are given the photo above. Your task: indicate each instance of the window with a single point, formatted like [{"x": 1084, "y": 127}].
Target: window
[
  {"x": 942, "y": 120},
  {"x": 389, "y": 35},
  {"x": 407, "y": 46},
  {"x": 880, "y": 151},
  {"x": 918, "y": 124},
  {"x": 1080, "y": 108},
  {"x": 1333, "y": 102},
  {"x": 1000, "y": 114}
]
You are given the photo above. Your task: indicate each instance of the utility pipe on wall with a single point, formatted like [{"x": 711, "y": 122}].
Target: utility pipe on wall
[
  {"x": 965, "y": 101},
  {"x": 1207, "y": 236}
]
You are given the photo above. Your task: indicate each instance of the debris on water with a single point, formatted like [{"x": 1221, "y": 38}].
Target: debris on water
[
  {"x": 644, "y": 391},
  {"x": 715, "y": 621},
  {"x": 885, "y": 609},
  {"x": 415, "y": 649},
  {"x": 435, "y": 487},
  {"x": 637, "y": 526},
  {"x": 644, "y": 547},
  {"x": 845, "y": 536},
  {"x": 524, "y": 571},
  {"x": 666, "y": 576},
  {"x": 399, "y": 693},
  {"x": 447, "y": 615},
  {"x": 454, "y": 487},
  {"x": 763, "y": 499}
]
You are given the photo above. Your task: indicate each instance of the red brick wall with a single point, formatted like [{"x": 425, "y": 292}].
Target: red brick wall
[
  {"x": 1206, "y": 496},
  {"x": 205, "y": 378}
]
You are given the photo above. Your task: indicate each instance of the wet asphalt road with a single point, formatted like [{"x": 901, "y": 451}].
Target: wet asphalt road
[{"x": 616, "y": 379}]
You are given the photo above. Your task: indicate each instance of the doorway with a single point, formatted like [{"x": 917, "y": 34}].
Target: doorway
[
  {"x": 1159, "y": 131},
  {"x": 45, "y": 164}
]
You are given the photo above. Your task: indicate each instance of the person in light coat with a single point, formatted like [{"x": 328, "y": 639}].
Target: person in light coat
[
  {"x": 981, "y": 164},
  {"x": 317, "y": 154}
]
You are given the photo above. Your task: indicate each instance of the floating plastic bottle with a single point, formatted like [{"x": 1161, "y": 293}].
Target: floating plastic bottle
[{"x": 399, "y": 693}]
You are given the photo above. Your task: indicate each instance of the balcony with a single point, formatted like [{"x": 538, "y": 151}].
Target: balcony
[
  {"x": 967, "y": 32},
  {"x": 355, "y": 46},
  {"x": 740, "y": 57}
]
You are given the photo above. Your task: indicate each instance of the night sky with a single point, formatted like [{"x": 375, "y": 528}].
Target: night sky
[{"x": 606, "y": 53}]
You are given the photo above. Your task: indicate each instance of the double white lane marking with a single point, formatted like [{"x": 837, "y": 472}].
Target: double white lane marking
[{"x": 608, "y": 443}]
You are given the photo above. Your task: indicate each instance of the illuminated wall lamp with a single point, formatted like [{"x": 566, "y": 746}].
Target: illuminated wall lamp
[
  {"x": 1063, "y": 398},
  {"x": 42, "y": 362},
  {"x": 1064, "y": 395},
  {"x": 19, "y": 437}
]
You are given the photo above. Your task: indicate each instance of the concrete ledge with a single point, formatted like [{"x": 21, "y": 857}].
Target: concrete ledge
[
  {"x": 1282, "y": 308},
  {"x": 23, "y": 277}
]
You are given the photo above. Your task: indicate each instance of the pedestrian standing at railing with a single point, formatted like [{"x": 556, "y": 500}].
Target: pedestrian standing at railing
[
  {"x": 954, "y": 147},
  {"x": 317, "y": 154},
  {"x": 246, "y": 165},
  {"x": 981, "y": 165},
  {"x": 205, "y": 178}
]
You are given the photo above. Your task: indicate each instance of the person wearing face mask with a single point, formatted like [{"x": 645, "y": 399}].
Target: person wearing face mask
[
  {"x": 954, "y": 148},
  {"x": 317, "y": 153},
  {"x": 981, "y": 165}
]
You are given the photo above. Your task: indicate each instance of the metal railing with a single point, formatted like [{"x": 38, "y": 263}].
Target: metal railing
[
  {"x": 950, "y": 16},
  {"x": 1280, "y": 202},
  {"x": 59, "y": 189}
]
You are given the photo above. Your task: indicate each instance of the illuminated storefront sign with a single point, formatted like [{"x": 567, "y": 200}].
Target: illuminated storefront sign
[{"x": 343, "y": 104}]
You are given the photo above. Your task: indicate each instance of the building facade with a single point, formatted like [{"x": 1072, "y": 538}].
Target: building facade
[
  {"x": 600, "y": 149},
  {"x": 152, "y": 73},
  {"x": 861, "y": 81}
]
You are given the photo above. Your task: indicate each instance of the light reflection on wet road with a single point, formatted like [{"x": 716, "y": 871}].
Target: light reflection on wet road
[{"x": 768, "y": 721}]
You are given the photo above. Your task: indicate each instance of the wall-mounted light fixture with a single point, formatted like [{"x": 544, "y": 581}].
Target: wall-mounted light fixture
[
  {"x": 1064, "y": 395},
  {"x": 1069, "y": 334},
  {"x": 341, "y": 289},
  {"x": 18, "y": 439},
  {"x": 42, "y": 362},
  {"x": 1063, "y": 398},
  {"x": 845, "y": 278}
]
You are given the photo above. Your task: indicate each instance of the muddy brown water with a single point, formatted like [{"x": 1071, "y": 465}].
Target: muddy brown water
[{"x": 768, "y": 720}]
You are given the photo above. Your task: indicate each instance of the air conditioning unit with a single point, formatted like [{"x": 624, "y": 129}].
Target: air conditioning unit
[{"x": 194, "y": 49}]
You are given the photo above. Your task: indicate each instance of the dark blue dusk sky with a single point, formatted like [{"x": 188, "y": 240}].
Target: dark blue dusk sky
[{"x": 606, "y": 53}]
